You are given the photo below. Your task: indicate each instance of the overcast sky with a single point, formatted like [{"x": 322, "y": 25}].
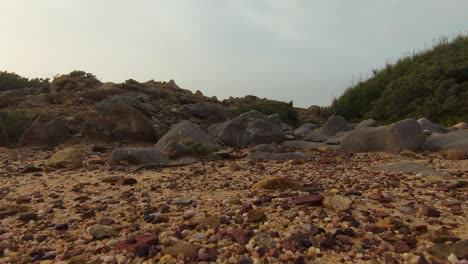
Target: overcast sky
[{"x": 302, "y": 50}]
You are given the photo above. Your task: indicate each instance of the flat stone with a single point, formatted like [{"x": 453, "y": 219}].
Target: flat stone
[
  {"x": 313, "y": 199},
  {"x": 101, "y": 231},
  {"x": 184, "y": 201},
  {"x": 412, "y": 167}
]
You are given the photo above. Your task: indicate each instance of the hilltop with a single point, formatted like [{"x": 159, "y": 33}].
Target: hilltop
[{"x": 432, "y": 83}]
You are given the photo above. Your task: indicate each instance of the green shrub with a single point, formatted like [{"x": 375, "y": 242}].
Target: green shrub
[
  {"x": 431, "y": 83},
  {"x": 12, "y": 81},
  {"x": 15, "y": 123},
  {"x": 286, "y": 111}
]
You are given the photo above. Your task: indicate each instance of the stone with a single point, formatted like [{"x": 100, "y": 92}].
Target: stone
[
  {"x": 189, "y": 251},
  {"x": 426, "y": 124},
  {"x": 430, "y": 211},
  {"x": 278, "y": 183},
  {"x": 98, "y": 231},
  {"x": 128, "y": 181},
  {"x": 265, "y": 148},
  {"x": 286, "y": 127},
  {"x": 255, "y": 215},
  {"x": 337, "y": 202},
  {"x": 186, "y": 134},
  {"x": 120, "y": 122},
  {"x": 461, "y": 125},
  {"x": 209, "y": 221},
  {"x": 251, "y": 128},
  {"x": 212, "y": 112},
  {"x": 183, "y": 201},
  {"x": 39, "y": 100},
  {"x": 135, "y": 242},
  {"x": 452, "y": 140},
  {"x": 454, "y": 154},
  {"x": 442, "y": 251},
  {"x": 111, "y": 179},
  {"x": 405, "y": 134},
  {"x": 304, "y": 129},
  {"x": 334, "y": 125},
  {"x": 412, "y": 167},
  {"x": 138, "y": 156},
  {"x": 71, "y": 158},
  {"x": 302, "y": 145},
  {"x": 277, "y": 156},
  {"x": 366, "y": 123},
  {"x": 50, "y": 133},
  {"x": 312, "y": 199},
  {"x": 102, "y": 93}
]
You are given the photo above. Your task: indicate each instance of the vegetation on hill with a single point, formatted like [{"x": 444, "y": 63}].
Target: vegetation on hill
[
  {"x": 432, "y": 83},
  {"x": 12, "y": 81}
]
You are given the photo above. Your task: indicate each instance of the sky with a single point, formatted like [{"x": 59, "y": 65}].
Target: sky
[{"x": 306, "y": 51}]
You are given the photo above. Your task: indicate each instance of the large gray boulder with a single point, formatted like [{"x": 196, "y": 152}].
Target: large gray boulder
[
  {"x": 184, "y": 135},
  {"x": 366, "y": 123},
  {"x": 334, "y": 125},
  {"x": 251, "y": 128},
  {"x": 136, "y": 100},
  {"x": 206, "y": 110},
  {"x": 50, "y": 133},
  {"x": 121, "y": 122},
  {"x": 426, "y": 124},
  {"x": 305, "y": 129},
  {"x": 405, "y": 134},
  {"x": 105, "y": 91},
  {"x": 452, "y": 140},
  {"x": 138, "y": 156}
]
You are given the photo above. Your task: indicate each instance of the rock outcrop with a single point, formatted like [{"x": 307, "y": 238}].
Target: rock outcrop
[
  {"x": 50, "y": 133},
  {"x": 251, "y": 128},
  {"x": 452, "y": 140},
  {"x": 406, "y": 134},
  {"x": 334, "y": 125}
]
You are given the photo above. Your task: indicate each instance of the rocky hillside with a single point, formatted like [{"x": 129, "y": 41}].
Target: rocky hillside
[
  {"x": 79, "y": 107},
  {"x": 431, "y": 84}
]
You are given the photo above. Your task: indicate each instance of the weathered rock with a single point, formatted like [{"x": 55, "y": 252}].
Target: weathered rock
[
  {"x": 286, "y": 127},
  {"x": 337, "y": 202},
  {"x": 301, "y": 144},
  {"x": 122, "y": 122},
  {"x": 442, "y": 251},
  {"x": 105, "y": 91},
  {"x": 277, "y": 156},
  {"x": 452, "y": 140},
  {"x": 278, "y": 183},
  {"x": 461, "y": 125},
  {"x": 251, "y": 128},
  {"x": 454, "y": 154},
  {"x": 189, "y": 251},
  {"x": 137, "y": 156},
  {"x": 366, "y": 123},
  {"x": 406, "y": 134},
  {"x": 101, "y": 231},
  {"x": 42, "y": 99},
  {"x": 71, "y": 158},
  {"x": 265, "y": 148},
  {"x": 304, "y": 129},
  {"x": 426, "y": 124},
  {"x": 138, "y": 101},
  {"x": 135, "y": 242},
  {"x": 412, "y": 167},
  {"x": 312, "y": 199},
  {"x": 182, "y": 137},
  {"x": 50, "y": 133},
  {"x": 209, "y": 221},
  {"x": 205, "y": 110},
  {"x": 255, "y": 215},
  {"x": 333, "y": 125}
]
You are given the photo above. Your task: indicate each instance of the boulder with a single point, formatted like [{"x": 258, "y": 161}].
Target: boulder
[
  {"x": 122, "y": 122},
  {"x": 333, "y": 125},
  {"x": 452, "y": 140},
  {"x": 50, "y": 133},
  {"x": 286, "y": 127},
  {"x": 405, "y": 134},
  {"x": 184, "y": 135},
  {"x": 251, "y": 128},
  {"x": 136, "y": 100},
  {"x": 70, "y": 158},
  {"x": 301, "y": 144},
  {"x": 461, "y": 125},
  {"x": 205, "y": 110},
  {"x": 277, "y": 156},
  {"x": 138, "y": 156},
  {"x": 426, "y": 124},
  {"x": 36, "y": 100},
  {"x": 275, "y": 118},
  {"x": 105, "y": 91},
  {"x": 366, "y": 123},
  {"x": 265, "y": 148},
  {"x": 305, "y": 129}
]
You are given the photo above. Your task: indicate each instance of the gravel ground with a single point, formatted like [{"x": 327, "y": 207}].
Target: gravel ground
[{"x": 348, "y": 211}]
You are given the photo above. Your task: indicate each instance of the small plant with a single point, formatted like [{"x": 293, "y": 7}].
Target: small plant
[{"x": 15, "y": 123}]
